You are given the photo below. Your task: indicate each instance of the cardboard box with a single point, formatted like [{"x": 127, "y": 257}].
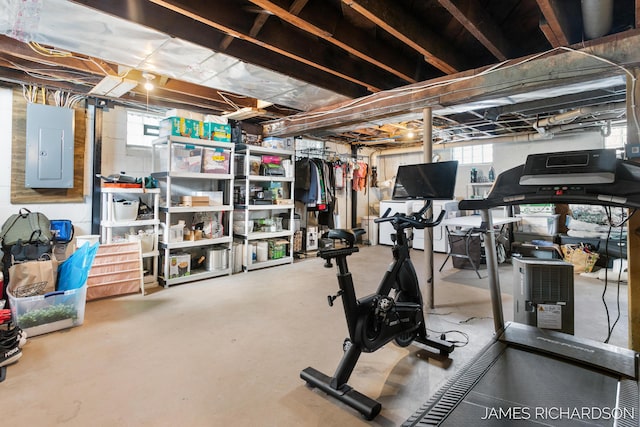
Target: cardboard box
[
  {"x": 210, "y": 118},
  {"x": 194, "y": 200},
  {"x": 178, "y": 112},
  {"x": 180, "y": 126},
  {"x": 216, "y": 198},
  {"x": 216, "y": 131},
  {"x": 179, "y": 265},
  {"x": 41, "y": 314}
]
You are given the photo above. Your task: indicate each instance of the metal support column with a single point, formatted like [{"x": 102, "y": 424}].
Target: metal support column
[
  {"x": 96, "y": 139},
  {"x": 492, "y": 269},
  {"x": 427, "y": 129}
]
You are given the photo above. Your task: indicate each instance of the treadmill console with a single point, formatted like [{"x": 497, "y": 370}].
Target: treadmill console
[
  {"x": 570, "y": 167},
  {"x": 583, "y": 177}
]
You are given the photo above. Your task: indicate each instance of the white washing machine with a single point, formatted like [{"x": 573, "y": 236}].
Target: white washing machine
[{"x": 440, "y": 242}]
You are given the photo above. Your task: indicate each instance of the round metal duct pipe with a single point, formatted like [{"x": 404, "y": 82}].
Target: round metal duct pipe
[{"x": 597, "y": 17}]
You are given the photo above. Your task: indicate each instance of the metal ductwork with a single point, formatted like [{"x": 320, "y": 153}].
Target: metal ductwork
[{"x": 597, "y": 18}]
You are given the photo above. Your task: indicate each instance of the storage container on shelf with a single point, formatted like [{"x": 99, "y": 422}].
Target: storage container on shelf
[
  {"x": 146, "y": 239},
  {"x": 125, "y": 210},
  {"x": 184, "y": 158},
  {"x": 546, "y": 224},
  {"x": 216, "y": 160}
]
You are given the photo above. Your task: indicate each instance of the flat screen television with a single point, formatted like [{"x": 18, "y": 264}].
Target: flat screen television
[{"x": 426, "y": 181}]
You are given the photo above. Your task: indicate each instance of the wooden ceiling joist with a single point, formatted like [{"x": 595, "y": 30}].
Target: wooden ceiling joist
[
  {"x": 345, "y": 36},
  {"x": 282, "y": 43},
  {"x": 411, "y": 32},
  {"x": 480, "y": 24},
  {"x": 185, "y": 23}
]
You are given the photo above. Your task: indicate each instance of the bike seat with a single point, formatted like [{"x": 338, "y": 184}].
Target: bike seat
[{"x": 348, "y": 236}]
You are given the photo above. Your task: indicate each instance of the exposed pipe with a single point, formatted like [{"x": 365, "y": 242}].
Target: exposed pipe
[
  {"x": 597, "y": 18},
  {"x": 569, "y": 116},
  {"x": 373, "y": 158}
]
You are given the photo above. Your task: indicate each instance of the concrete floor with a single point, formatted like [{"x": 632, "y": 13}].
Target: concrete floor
[{"x": 228, "y": 351}]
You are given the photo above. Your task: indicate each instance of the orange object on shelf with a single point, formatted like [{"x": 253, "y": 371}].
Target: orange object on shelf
[{"x": 121, "y": 185}]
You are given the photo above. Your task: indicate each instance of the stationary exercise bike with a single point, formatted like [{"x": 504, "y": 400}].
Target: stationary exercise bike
[{"x": 379, "y": 318}]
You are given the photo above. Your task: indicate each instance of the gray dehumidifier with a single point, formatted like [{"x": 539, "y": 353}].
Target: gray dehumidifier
[{"x": 543, "y": 293}]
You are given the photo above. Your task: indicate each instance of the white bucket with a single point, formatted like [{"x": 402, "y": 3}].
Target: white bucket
[{"x": 126, "y": 210}]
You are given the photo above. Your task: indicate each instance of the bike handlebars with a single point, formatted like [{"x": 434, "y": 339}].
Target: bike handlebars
[{"x": 416, "y": 220}]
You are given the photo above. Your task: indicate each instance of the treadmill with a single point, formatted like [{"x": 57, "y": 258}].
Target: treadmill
[{"x": 528, "y": 376}]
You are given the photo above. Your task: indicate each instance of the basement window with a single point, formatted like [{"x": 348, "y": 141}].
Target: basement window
[
  {"x": 142, "y": 128},
  {"x": 473, "y": 154}
]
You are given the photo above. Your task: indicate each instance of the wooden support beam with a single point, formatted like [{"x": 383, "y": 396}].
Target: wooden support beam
[
  {"x": 525, "y": 75},
  {"x": 633, "y": 238}
]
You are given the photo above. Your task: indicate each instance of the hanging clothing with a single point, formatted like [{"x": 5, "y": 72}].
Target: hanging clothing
[
  {"x": 359, "y": 182},
  {"x": 319, "y": 194},
  {"x": 339, "y": 175},
  {"x": 302, "y": 175}
]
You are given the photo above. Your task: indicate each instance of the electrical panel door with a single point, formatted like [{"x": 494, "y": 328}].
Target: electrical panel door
[{"x": 49, "y": 150}]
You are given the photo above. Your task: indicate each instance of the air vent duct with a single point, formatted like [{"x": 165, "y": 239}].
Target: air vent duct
[{"x": 597, "y": 18}]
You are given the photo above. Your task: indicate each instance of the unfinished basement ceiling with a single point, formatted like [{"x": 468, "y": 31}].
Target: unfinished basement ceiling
[{"x": 281, "y": 57}]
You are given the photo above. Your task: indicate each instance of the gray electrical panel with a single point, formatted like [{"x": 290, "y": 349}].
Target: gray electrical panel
[{"x": 49, "y": 151}]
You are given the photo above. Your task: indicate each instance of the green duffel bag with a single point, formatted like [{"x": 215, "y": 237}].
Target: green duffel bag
[{"x": 27, "y": 227}]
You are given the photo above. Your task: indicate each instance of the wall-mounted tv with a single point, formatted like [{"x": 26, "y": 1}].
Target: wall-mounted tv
[{"x": 426, "y": 181}]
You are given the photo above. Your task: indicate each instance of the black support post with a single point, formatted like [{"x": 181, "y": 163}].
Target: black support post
[{"x": 96, "y": 197}]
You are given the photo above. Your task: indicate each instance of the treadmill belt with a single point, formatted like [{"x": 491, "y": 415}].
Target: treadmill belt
[{"x": 509, "y": 386}]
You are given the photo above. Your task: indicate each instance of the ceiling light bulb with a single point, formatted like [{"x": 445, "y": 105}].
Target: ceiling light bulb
[
  {"x": 410, "y": 134},
  {"x": 148, "y": 77}
]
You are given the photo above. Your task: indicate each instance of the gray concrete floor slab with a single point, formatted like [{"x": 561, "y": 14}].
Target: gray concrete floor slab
[{"x": 228, "y": 351}]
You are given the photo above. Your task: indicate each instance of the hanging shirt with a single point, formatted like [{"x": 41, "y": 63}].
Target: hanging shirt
[
  {"x": 339, "y": 176},
  {"x": 360, "y": 177}
]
